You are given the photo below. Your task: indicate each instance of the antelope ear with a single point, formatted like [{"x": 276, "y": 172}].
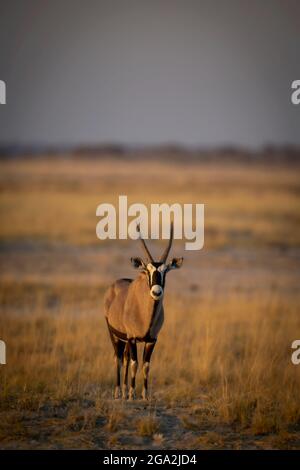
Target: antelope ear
[
  {"x": 137, "y": 263},
  {"x": 175, "y": 263}
]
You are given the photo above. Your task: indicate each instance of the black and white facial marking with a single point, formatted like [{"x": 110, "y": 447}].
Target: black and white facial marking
[
  {"x": 156, "y": 279},
  {"x": 156, "y": 274}
]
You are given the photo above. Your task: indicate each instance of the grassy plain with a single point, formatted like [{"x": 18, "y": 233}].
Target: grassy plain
[{"x": 221, "y": 374}]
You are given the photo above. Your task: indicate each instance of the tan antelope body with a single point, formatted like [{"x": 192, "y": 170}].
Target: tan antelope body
[{"x": 134, "y": 312}]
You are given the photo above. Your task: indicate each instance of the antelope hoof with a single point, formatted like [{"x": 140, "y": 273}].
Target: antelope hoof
[
  {"x": 132, "y": 394},
  {"x": 124, "y": 392},
  {"x": 117, "y": 393},
  {"x": 145, "y": 395}
]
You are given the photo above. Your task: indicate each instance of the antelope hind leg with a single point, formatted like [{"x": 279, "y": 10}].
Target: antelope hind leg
[{"x": 119, "y": 350}]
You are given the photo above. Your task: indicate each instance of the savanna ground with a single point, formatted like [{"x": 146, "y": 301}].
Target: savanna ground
[{"x": 221, "y": 374}]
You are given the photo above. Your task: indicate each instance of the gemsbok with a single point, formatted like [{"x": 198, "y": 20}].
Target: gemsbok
[{"x": 134, "y": 313}]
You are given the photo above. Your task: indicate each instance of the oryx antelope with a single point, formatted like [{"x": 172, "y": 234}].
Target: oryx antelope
[{"x": 134, "y": 313}]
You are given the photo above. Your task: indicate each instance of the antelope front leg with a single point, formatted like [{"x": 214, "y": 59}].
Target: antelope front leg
[
  {"x": 133, "y": 367},
  {"x": 146, "y": 366},
  {"x": 126, "y": 357}
]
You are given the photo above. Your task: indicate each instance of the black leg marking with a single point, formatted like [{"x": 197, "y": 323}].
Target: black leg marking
[
  {"x": 133, "y": 366},
  {"x": 133, "y": 350},
  {"x": 148, "y": 350},
  {"x": 126, "y": 362},
  {"x": 126, "y": 359}
]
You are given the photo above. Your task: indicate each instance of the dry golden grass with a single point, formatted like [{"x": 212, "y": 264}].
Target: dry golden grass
[
  {"x": 222, "y": 364},
  {"x": 252, "y": 205},
  {"x": 148, "y": 426},
  {"x": 233, "y": 357}
]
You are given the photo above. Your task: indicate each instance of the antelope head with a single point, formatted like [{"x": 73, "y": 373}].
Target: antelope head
[{"x": 156, "y": 270}]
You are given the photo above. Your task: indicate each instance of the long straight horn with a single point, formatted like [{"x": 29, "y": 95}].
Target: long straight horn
[
  {"x": 164, "y": 257},
  {"x": 147, "y": 252}
]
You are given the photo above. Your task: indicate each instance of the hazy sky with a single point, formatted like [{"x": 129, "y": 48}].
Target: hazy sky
[{"x": 137, "y": 71}]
